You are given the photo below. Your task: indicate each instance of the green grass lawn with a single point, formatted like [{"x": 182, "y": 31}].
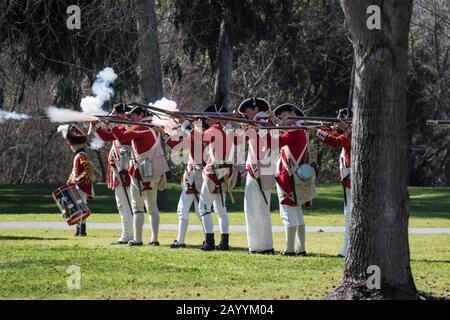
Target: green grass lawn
[
  {"x": 34, "y": 265},
  {"x": 430, "y": 206}
]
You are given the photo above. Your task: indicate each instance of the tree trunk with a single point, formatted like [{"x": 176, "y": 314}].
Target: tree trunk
[
  {"x": 224, "y": 65},
  {"x": 380, "y": 204},
  {"x": 149, "y": 64}
]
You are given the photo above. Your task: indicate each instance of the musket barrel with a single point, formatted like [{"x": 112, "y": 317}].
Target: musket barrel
[
  {"x": 321, "y": 119},
  {"x": 438, "y": 122}
]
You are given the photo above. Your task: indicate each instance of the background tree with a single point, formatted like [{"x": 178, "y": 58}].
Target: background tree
[
  {"x": 380, "y": 204},
  {"x": 149, "y": 64}
]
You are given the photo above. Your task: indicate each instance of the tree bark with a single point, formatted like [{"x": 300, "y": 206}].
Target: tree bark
[
  {"x": 149, "y": 64},
  {"x": 224, "y": 65},
  {"x": 380, "y": 205}
]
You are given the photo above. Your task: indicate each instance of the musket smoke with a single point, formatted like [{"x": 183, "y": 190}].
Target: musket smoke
[
  {"x": 166, "y": 121},
  {"x": 5, "y": 116},
  {"x": 90, "y": 105},
  {"x": 102, "y": 93},
  {"x": 65, "y": 115}
]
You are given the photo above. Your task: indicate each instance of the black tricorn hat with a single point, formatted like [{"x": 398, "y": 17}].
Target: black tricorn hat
[
  {"x": 253, "y": 102},
  {"x": 215, "y": 108},
  {"x": 287, "y": 107},
  {"x": 75, "y": 136},
  {"x": 137, "y": 110},
  {"x": 121, "y": 108},
  {"x": 345, "y": 113}
]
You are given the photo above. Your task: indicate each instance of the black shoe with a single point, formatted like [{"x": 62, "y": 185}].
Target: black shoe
[
  {"x": 176, "y": 245},
  {"x": 302, "y": 254},
  {"x": 133, "y": 243},
  {"x": 268, "y": 252},
  {"x": 153, "y": 243},
  {"x": 223, "y": 245},
  {"x": 83, "y": 230},
  {"x": 287, "y": 254},
  {"x": 209, "y": 244},
  {"x": 119, "y": 242}
]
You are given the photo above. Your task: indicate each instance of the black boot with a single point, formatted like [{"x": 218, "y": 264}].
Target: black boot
[
  {"x": 223, "y": 245},
  {"x": 83, "y": 230},
  {"x": 77, "y": 231},
  {"x": 209, "y": 244}
]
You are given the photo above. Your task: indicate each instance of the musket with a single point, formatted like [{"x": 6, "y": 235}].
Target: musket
[
  {"x": 48, "y": 118},
  {"x": 286, "y": 128},
  {"x": 199, "y": 115},
  {"x": 321, "y": 119},
  {"x": 153, "y": 108},
  {"x": 438, "y": 122},
  {"x": 128, "y": 122},
  {"x": 111, "y": 119}
]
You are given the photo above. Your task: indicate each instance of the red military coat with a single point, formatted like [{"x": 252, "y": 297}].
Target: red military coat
[
  {"x": 82, "y": 173},
  {"x": 293, "y": 152},
  {"x": 339, "y": 141},
  {"x": 218, "y": 147},
  {"x": 114, "y": 156},
  {"x": 142, "y": 139}
]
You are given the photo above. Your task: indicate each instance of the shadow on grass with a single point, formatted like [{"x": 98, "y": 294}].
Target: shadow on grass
[{"x": 28, "y": 238}]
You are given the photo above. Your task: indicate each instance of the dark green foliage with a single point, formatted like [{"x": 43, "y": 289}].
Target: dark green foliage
[{"x": 36, "y": 33}]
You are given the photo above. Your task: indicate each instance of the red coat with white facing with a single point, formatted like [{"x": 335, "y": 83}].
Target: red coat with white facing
[
  {"x": 293, "y": 149},
  {"x": 82, "y": 173},
  {"x": 259, "y": 147},
  {"x": 194, "y": 162},
  {"x": 218, "y": 149},
  {"x": 112, "y": 181},
  {"x": 339, "y": 141},
  {"x": 142, "y": 140}
]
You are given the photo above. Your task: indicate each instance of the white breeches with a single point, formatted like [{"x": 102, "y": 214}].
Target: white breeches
[
  {"x": 125, "y": 211},
  {"x": 292, "y": 216},
  {"x": 142, "y": 200},
  {"x": 145, "y": 198},
  {"x": 185, "y": 204},
  {"x": 346, "y": 221},
  {"x": 210, "y": 200},
  {"x": 257, "y": 217}
]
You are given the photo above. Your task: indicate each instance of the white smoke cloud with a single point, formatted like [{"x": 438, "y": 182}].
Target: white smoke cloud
[
  {"x": 90, "y": 105},
  {"x": 96, "y": 143},
  {"x": 166, "y": 121},
  {"x": 5, "y": 116},
  {"x": 102, "y": 93},
  {"x": 65, "y": 115}
]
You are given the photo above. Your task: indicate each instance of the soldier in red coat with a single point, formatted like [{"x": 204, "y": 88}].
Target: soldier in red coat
[
  {"x": 191, "y": 181},
  {"x": 117, "y": 177},
  {"x": 293, "y": 154},
  {"x": 260, "y": 179},
  {"x": 82, "y": 174},
  {"x": 147, "y": 171},
  {"x": 340, "y": 137},
  {"x": 219, "y": 178}
]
